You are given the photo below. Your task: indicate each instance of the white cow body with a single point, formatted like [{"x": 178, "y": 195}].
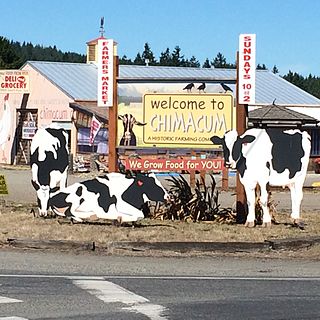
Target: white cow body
[
  {"x": 275, "y": 157},
  {"x": 112, "y": 197}
]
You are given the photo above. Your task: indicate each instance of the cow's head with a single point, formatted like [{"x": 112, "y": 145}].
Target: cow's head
[
  {"x": 232, "y": 146},
  {"x": 144, "y": 188},
  {"x": 43, "y": 194},
  {"x": 128, "y": 121}
]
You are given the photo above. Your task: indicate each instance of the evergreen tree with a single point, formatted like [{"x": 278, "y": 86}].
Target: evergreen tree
[
  {"x": 219, "y": 61},
  {"x": 261, "y": 67},
  {"x": 275, "y": 69},
  {"x": 165, "y": 58},
  {"x": 177, "y": 58},
  {"x": 206, "y": 64},
  {"x": 138, "y": 60},
  {"x": 125, "y": 60},
  {"x": 148, "y": 56},
  {"x": 193, "y": 62}
]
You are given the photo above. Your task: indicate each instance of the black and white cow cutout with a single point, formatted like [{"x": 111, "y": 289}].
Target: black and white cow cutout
[
  {"x": 268, "y": 156},
  {"x": 112, "y": 197},
  {"x": 49, "y": 161}
]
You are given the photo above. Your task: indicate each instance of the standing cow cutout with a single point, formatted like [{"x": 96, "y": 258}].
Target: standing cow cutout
[
  {"x": 268, "y": 156},
  {"x": 49, "y": 161},
  {"x": 113, "y": 196}
]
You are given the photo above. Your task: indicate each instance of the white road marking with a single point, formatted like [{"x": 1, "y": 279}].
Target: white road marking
[
  {"x": 108, "y": 277},
  {"x": 13, "y": 318},
  {"x": 110, "y": 292},
  {"x": 8, "y": 300}
]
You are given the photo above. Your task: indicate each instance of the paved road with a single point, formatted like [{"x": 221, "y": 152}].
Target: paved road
[
  {"x": 80, "y": 287},
  {"x": 21, "y": 190}
]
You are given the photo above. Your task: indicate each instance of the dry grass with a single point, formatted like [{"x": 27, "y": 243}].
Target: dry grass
[{"x": 18, "y": 222}]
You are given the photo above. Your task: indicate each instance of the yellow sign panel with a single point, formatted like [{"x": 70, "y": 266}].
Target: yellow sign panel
[
  {"x": 14, "y": 81},
  {"x": 3, "y": 185},
  {"x": 186, "y": 120}
]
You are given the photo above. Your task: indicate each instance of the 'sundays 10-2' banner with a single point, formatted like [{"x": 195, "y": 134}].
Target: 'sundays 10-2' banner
[{"x": 247, "y": 68}]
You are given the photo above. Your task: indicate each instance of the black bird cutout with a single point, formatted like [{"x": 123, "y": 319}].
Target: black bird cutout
[
  {"x": 202, "y": 87},
  {"x": 225, "y": 87},
  {"x": 188, "y": 87}
]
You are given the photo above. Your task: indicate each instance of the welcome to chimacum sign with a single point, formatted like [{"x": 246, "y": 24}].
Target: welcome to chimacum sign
[{"x": 184, "y": 120}]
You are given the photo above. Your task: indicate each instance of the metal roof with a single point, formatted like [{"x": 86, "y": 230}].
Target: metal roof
[
  {"x": 79, "y": 80},
  {"x": 138, "y": 73},
  {"x": 276, "y": 113}
]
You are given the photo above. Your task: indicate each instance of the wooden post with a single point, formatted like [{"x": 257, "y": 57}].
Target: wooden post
[
  {"x": 113, "y": 120},
  {"x": 241, "y": 127},
  {"x": 225, "y": 180},
  {"x": 192, "y": 172}
]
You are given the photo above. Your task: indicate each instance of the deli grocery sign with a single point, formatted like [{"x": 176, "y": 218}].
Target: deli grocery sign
[
  {"x": 105, "y": 72},
  {"x": 14, "y": 81},
  {"x": 247, "y": 68},
  {"x": 168, "y": 165}
]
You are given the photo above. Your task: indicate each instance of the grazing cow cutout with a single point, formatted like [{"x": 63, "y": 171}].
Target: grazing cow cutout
[
  {"x": 49, "y": 161},
  {"x": 268, "y": 156},
  {"x": 112, "y": 197},
  {"x": 128, "y": 137}
]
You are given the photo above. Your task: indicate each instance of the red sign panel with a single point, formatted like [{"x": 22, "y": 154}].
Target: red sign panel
[{"x": 174, "y": 164}]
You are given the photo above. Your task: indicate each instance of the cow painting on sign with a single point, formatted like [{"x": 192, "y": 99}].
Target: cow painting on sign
[
  {"x": 268, "y": 156},
  {"x": 112, "y": 197},
  {"x": 128, "y": 137},
  {"x": 49, "y": 162}
]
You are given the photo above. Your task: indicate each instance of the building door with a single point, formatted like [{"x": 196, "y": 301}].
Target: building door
[{"x": 27, "y": 123}]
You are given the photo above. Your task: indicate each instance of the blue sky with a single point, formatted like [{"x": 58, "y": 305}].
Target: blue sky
[{"x": 287, "y": 30}]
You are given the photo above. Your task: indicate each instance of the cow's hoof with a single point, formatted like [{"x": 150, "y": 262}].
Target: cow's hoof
[
  {"x": 299, "y": 224},
  {"x": 249, "y": 224},
  {"x": 266, "y": 225}
]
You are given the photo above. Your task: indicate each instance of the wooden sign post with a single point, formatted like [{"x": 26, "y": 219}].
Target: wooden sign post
[
  {"x": 241, "y": 126},
  {"x": 113, "y": 120}
]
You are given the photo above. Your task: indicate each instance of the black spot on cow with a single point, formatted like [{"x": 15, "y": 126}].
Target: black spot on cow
[
  {"x": 104, "y": 200},
  {"x": 237, "y": 153},
  {"x": 268, "y": 165},
  {"x": 141, "y": 185},
  {"x": 81, "y": 201},
  {"x": 287, "y": 151},
  {"x": 79, "y": 191},
  {"x": 59, "y": 201}
]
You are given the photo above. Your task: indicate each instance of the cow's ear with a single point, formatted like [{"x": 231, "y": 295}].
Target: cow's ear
[
  {"x": 138, "y": 123},
  {"x": 35, "y": 185},
  {"x": 248, "y": 139},
  {"x": 216, "y": 140},
  {"x": 54, "y": 190}
]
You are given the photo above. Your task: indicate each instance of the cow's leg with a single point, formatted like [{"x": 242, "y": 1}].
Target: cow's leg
[
  {"x": 63, "y": 180},
  {"x": 250, "y": 194},
  {"x": 266, "y": 221},
  {"x": 296, "y": 198}
]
